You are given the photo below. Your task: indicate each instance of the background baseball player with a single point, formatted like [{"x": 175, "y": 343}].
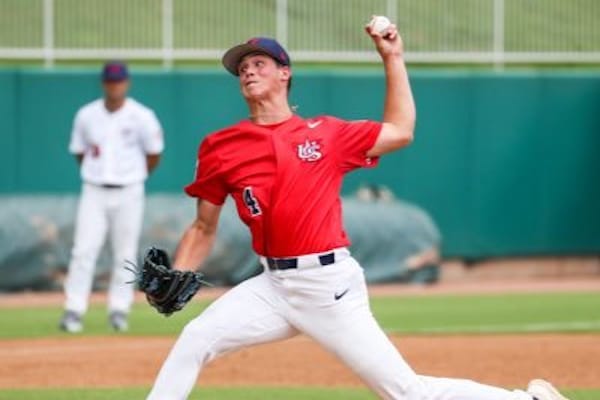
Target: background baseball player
[
  {"x": 284, "y": 174},
  {"x": 117, "y": 142}
]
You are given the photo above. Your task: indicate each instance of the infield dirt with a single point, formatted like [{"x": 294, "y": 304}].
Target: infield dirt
[{"x": 507, "y": 360}]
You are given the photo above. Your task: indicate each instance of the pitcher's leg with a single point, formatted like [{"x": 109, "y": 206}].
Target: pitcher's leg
[
  {"x": 126, "y": 221},
  {"x": 244, "y": 316},
  {"x": 465, "y": 389},
  {"x": 362, "y": 345},
  {"x": 356, "y": 339},
  {"x": 90, "y": 232},
  {"x": 347, "y": 328}
]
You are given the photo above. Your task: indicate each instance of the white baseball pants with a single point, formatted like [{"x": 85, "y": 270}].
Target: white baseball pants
[
  {"x": 118, "y": 212},
  {"x": 280, "y": 304}
]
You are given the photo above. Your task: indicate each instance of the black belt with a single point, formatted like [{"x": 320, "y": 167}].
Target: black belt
[
  {"x": 111, "y": 186},
  {"x": 289, "y": 263}
]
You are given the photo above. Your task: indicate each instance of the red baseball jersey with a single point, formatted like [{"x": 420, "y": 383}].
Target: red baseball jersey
[{"x": 285, "y": 179}]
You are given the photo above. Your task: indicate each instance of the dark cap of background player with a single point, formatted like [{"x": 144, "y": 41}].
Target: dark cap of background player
[
  {"x": 262, "y": 45},
  {"x": 115, "y": 71}
]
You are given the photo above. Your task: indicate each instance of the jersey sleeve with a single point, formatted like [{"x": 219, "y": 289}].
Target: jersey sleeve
[
  {"x": 77, "y": 144},
  {"x": 354, "y": 140},
  {"x": 152, "y": 135},
  {"x": 208, "y": 183}
]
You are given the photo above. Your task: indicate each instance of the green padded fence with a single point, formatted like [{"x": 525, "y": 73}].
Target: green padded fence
[{"x": 506, "y": 164}]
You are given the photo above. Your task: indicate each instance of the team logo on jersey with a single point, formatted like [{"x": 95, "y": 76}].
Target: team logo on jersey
[{"x": 309, "y": 151}]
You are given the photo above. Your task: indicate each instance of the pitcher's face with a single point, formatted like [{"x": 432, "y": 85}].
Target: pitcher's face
[{"x": 261, "y": 76}]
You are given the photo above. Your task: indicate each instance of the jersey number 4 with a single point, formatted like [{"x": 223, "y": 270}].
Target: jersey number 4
[{"x": 251, "y": 202}]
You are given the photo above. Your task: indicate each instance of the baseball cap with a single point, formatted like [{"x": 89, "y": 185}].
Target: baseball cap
[
  {"x": 264, "y": 45},
  {"x": 115, "y": 71}
]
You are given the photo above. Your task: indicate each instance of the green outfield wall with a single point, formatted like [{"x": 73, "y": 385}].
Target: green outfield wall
[{"x": 506, "y": 164}]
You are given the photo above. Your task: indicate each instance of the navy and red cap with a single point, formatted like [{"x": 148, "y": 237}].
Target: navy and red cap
[
  {"x": 115, "y": 71},
  {"x": 261, "y": 45}
]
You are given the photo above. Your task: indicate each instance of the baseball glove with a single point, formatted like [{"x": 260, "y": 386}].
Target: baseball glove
[{"x": 168, "y": 290}]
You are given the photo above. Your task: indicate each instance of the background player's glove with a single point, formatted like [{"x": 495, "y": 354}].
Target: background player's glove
[{"x": 166, "y": 289}]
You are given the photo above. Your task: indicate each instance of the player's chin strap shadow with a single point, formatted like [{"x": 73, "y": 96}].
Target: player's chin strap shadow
[{"x": 138, "y": 274}]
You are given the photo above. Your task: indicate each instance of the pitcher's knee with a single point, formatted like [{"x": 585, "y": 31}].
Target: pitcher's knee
[{"x": 199, "y": 339}]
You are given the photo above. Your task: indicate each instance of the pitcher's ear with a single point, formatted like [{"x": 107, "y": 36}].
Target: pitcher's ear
[{"x": 285, "y": 72}]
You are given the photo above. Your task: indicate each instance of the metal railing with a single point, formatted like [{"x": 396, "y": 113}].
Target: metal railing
[{"x": 435, "y": 31}]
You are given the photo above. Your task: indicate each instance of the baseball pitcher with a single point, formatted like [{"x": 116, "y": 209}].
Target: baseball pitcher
[{"x": 284, "y": 173}]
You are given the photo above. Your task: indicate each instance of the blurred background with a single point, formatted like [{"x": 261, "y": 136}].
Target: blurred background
[
  {"x": 502, "y": 181},
  {"x": 490, "y": 220}
]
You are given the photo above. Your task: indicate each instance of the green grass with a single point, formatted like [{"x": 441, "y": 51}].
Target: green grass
[
  {"x": 518, "y": 313},
  {"x": 305, "y": 66},
  {"x": 427, "y": 25},
  {"x": 247, "y": 393},
  {"x": 558, "y": 312}
]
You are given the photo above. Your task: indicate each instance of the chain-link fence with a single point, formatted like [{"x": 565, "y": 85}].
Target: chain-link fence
[{"x": 465, "y": 31}]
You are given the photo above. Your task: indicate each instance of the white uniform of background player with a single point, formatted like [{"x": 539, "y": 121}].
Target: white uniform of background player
[{"x": 117, "y": 141}]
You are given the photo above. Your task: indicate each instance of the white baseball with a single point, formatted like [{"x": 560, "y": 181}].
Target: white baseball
[{"x": 379, "y": 23}]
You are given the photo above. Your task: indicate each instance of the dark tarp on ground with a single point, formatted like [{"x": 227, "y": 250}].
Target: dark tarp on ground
[{"x": 36, "y": 234}]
